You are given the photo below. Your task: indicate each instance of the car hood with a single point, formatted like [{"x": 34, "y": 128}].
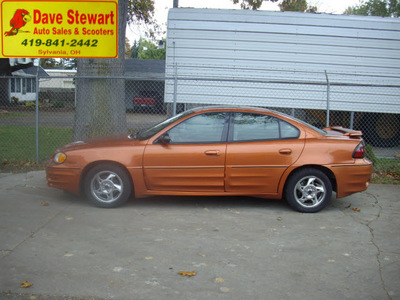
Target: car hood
[{"x": 110, "y": 141}]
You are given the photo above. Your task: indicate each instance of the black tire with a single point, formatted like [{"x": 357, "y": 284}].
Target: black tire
[
  {"x": 381, "y": 130},
  {"x": 107, "y": 186},
  {"x": 308, "y": 190}
]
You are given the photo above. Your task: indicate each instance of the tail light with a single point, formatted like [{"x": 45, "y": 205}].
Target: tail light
[{"x": 359, "y": 152}]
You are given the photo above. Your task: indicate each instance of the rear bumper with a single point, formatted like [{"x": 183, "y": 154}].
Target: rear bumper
[
  {"x": 63, "y": 178},
  {"x": 352, "y": 179}
]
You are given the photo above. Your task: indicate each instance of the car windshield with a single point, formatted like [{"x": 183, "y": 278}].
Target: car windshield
[{"x": 148, "y": 133}]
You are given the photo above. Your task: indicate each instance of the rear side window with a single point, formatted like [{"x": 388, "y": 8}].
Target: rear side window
[
  {"x": 260, "y": 127},
  {"x": 288, "y": 131}
]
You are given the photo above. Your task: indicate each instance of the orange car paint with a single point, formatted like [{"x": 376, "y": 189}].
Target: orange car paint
[{"x": 217, "y": 169}]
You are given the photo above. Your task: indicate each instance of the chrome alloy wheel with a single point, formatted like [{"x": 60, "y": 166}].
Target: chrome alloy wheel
[
  {"x": 309, "y": 191},
  {"x": 106, "y": 186}
]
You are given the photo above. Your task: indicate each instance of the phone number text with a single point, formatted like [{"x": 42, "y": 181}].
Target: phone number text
[{"x": 59, "y": 43}]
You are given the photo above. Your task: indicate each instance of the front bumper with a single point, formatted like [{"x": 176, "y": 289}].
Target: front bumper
[{"x": 63, "y": 178}]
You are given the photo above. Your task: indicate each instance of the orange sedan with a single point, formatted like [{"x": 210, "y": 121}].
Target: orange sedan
[{"x": 218, "y": 151}]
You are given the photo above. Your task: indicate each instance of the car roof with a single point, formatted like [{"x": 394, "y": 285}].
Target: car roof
[{"x": 231, "y": 108}]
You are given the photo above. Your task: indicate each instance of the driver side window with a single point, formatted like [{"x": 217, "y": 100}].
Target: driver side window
[{"x": 204, "y": 128}]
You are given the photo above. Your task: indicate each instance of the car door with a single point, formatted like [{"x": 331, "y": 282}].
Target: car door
[
  {"x": 260, "y": 148},
  {"x": 194, "y": 158}
]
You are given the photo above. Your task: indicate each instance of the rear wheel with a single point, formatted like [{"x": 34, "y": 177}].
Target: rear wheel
[
  {"x": 308, "y": 190},
  {"x": 107, "y": 186}
]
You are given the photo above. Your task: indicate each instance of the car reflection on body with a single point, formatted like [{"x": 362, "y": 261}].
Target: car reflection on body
[{"x": 218, "y": 151}]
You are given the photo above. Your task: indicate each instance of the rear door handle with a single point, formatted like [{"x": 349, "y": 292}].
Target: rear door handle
[
  {"x": 285, "y": 151},
  {"x": 212, "y": 153}
]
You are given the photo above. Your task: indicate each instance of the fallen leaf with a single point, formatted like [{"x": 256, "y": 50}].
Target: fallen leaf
[
  {"x": 25, "y": 284},
  {"x": 356, "y": 209},
  {"x": 189, "y": 274},
  {"x": 69, "y": 218},
  {"x": 219, "y": 280},
  {"x": 348, "y": 206},
  {"x": 44, "y": 203},
  {"x": 279, "y": 219},
  {"x": 224, "y": 289},
  {"x": 148, "y": 257}
]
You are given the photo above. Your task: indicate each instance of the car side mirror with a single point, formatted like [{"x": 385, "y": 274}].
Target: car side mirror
[{"x": 164, "y": 139}]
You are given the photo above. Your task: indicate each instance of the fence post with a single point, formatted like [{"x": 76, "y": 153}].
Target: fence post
[
  {"x": 37, "y": 112},
  {"x": 175, "y": 83},
  {"x": 327, "y": 99},
  {"x": 351, "y": 119}
]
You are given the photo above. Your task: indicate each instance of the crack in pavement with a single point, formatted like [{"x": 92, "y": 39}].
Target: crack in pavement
[
  {"x": 371, "y": 230},
  {"x": 372, "y": 240}
]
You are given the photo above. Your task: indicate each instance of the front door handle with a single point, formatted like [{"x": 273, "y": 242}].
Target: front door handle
[
  {"x": 212, "y": 153},
  {"x": 285, "y": 151}
]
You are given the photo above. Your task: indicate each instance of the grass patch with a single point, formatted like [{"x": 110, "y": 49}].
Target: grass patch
[
  {"x": 13, "y": 114},
  {"x": 18, "y": 143},
  {"x": 386, "y": 170}
]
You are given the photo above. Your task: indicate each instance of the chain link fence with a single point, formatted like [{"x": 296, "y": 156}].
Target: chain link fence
[{"x": 38, "y": 115}]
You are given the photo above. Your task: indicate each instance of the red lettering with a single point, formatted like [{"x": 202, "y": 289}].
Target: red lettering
[
  {"x": 92, "y": 18},
  {"x": 83, "y": 19},
  {"x": 36, "y": 16},
  {"x": 74, "y": 17},
  {"x": 70, "y": 15},
  {"x": 45, "y": 18}
]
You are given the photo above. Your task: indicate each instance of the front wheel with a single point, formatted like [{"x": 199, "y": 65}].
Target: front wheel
[
  {"x": 107, "y": 186},
  {"x": 308, "y": 190}
]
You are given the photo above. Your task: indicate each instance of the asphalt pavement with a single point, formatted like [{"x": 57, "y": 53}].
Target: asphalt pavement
[{"x": 54, "y": 245}]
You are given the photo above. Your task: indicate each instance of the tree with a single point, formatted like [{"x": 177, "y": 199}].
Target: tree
[
  {"x": 146, "y": 49},
  {"x": 383, "y": 8},
  {"x": 297, "y": 5},
  {"x": 251, "y": 4},
  {"x": 135, "y": 50},
  {"x": 101, "y": 101},
  {"x": 49, "y": 63},
  {"x": 127, "y": 48}
]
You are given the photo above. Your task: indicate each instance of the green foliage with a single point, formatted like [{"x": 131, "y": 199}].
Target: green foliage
[
  {"x": 134, "y": 53},
  {"x": 59, "y": 104},
  {"x": 382, "y": 8},
  {"x": 141, "y": 11},
  {"x": 146, "y": 49},
  {"x": 369, "y": 153},
  {"x": 31, "y": 104},
  {"x": 251, "y": 4},
  {"x": 297, "y": 5},
  {"x": 14, "y": 101}
]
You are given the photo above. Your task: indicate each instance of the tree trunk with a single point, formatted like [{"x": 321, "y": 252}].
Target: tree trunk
[{"x": 100, "y": 108}]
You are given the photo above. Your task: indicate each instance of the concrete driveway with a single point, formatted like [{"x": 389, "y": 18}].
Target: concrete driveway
[{"x": 239, "y": 248}]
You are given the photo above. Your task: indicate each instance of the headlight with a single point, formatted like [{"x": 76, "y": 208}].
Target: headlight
[{"x": 60, "y": 157}]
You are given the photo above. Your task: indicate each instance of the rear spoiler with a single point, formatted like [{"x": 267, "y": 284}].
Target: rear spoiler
[{"x": 346, "y": 131}]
